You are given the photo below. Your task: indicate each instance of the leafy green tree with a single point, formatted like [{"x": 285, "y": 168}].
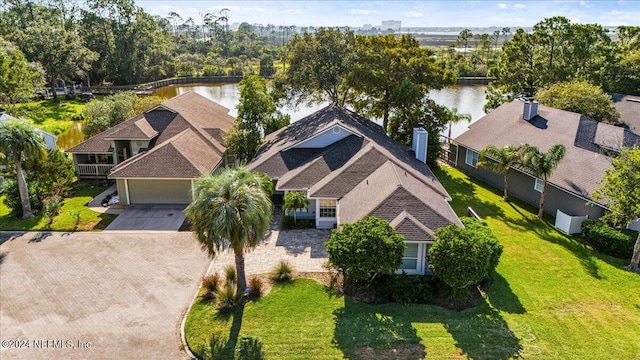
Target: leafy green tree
[
  {"x": 51, "y": 208},
  {"x": 542, "y": 164},
  {"x": 53, "y": 174},
  {"x": 580, "y": 97},
  {"x": 230, "y": 207},
  {"x": 16, "y": 79},
  {"x": 500, "y": 160},
  {"x": 365, "y": 249},
  {"x": 462, "y": 257},
  {"x": 385, "y": 66},
  {"x": 60, "y": 52},
  {"x": 317, "y": 67},
  {"x": 111, "y": 111},
  {"x": 294, "y": 200},
  {"x": 266, "y": 66},
  {"x": 20, "y": 141},
  {"x": 622, "y": 192}
]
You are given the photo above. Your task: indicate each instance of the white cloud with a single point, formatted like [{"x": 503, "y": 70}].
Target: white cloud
[
  {"x": 519, "y": 6},
  {"x": 361, "y": 11},
  {"x": 502, "y": 6},
  {"x": 291, "y": 11}
]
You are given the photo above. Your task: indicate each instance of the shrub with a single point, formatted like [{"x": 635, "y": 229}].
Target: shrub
[
  {"x": 212, "y": 70},
  {"x": 211, "y": 282},
  {"x": 607, "y": 240},
  {"x": 404, "y": 289},
  {"x": 255, "y": 287},
  {"x": 283, "y": 272},
  {"x": 288, "y": 223},
  {"x": 462, "y": 257},
  {"x": 250, "y": 349},
  {"x": 12, "y": 198},
  {"x": 227, "y": 300},
  {"x": 230, "y": 274},
  {"x": 51, "y": 208},
  {"x": 217, "y": 348},
  {"x": 365, "y": 249}
]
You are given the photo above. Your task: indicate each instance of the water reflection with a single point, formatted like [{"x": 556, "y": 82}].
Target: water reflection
[
  {"x": 466, "y": 98},
  {"x": 72, "y": 137}
]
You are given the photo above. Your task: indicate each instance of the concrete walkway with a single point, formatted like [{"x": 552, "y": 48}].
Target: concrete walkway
[{"x": 303, "y": 249}]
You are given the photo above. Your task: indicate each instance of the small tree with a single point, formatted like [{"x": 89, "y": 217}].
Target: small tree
[
  {"x": 462, "y": 257},
  {"x": 622, "y": 189},
  {"x": 500, "y": 160},
  {"x": 542, "y": 165},
  {"x": 365, "y": 249},
  {"x": 51, "y": 208},
  {"x": 294, "y": 200}
]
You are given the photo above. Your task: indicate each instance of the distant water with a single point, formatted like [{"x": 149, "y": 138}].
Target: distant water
[{"x": 466, "y": 98}]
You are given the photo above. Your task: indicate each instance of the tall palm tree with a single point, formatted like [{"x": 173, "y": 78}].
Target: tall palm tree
[
  {"x": 455, "y": 118},
  {"x": 230, "y": 207},
  {"x": 19, "y": 141},
  {"x": 500, "y": 160},
  {"x": 542, "y": 165}
]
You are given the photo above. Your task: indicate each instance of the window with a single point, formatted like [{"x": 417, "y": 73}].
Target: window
[
  {"x": 538, "y": 185},
  {"x": 327, "y": 208},
  {"x": 410, "y": 257},
  {"x": 471, "y": 158}
]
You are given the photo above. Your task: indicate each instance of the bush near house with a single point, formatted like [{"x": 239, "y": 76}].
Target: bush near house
[
  {"x": 288, "y": 223},
  {"x": 608, "y": 240},
  {"x": 463, "y": 257}
]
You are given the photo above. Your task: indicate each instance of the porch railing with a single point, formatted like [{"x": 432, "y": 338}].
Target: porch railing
[{"x": 94, "y": 169}]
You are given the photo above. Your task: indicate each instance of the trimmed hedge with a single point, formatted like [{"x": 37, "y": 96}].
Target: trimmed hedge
[
  {"x": 608, "y": 240},
  {"x": 287, "y": 223}
]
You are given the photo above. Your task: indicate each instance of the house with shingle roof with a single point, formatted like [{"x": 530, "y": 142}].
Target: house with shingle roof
[
  {"x": 589, "y": 145},
  {"x": 349, "y": 168},
  {"x": 155, "y": 156}
]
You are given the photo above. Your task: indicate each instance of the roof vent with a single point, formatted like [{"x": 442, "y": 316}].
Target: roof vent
[{"x": 530, "y": 109}]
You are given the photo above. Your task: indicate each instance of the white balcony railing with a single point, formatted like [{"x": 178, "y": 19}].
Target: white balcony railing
[{"x": 94, "y": 169}]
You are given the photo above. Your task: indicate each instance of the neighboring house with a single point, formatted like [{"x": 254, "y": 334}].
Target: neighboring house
[
  {"x": 589, "y": 145},
  {"x": 155, "y": 156},
  {"x": 350, "y": 168},
  {"x": 629, "y": 108},
  {"x": 49, "y": 139}
]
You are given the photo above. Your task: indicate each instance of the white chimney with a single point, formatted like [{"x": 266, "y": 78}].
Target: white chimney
[
  {"x": 530, "y": 109},
  {"x": 419, "y": 143}
]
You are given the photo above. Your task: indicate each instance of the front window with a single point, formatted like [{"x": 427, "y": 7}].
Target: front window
[
  {"x": 410, "y": 257},
  {"x": 327, "y": 208},
  {"x": 471, "y": 158}
]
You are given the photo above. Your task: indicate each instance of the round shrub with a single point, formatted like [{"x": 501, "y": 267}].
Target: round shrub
[
  {"x": 365, "y": 249},
  {"x": 462, "y": 257},
  {"x": 607, "y": 240}
]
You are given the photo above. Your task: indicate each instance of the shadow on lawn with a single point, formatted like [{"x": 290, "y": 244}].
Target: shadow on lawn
[
  {"x": 386, "y": 332},
  {"x": 221, "y": 348},
  {"x": 502, "y": 297}
]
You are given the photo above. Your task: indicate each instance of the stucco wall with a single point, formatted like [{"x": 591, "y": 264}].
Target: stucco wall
[{"x": 521, "y": 186}]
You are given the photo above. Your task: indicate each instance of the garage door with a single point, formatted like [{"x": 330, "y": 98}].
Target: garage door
[{"x": 159, "y": 191}]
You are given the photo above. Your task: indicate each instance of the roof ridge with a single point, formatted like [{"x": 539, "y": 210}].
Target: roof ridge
[{"x": 334, "y": 174}]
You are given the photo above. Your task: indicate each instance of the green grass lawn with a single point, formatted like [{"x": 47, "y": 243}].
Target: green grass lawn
[
  {"x": 89, "y": 219},
  {"x": 552, "y": 298},
  {"x": 49, "y": 116}
]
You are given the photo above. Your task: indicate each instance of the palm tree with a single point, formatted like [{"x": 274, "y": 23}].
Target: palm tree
[
  {"x": 500, "y": 160},
  {"x": 542, "y": 165},
  {"x": 175, "y": 16},
  {"x": 231, "y": 207},
  {"x": 455, "y": 118},
  {"x": 19, "y": 141},
  {"x": 464, "y": 37},
  {"x": 294, "y": 200}
]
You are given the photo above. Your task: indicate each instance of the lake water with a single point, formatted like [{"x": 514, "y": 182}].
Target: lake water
[{"x": 466, "y": 98}]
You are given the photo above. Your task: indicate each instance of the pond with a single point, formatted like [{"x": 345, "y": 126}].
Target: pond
[{"x": 466, "y": 98}]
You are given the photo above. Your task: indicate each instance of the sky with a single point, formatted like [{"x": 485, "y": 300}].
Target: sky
[{"x": 355, "y": 13}]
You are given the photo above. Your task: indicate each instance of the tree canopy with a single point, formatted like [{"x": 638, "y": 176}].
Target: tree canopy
[
  {"x": 16, "y": 79},
  {"x": 582, "y": 98}
]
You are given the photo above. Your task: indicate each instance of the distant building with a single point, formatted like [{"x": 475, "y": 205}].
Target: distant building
[{"x": 391, "y": 24}]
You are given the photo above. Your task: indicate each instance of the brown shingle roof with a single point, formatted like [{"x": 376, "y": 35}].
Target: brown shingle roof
[
  {"x": 411, "y": 228},
  {"x": 186, "y": 134},
  {"x": 582, "y": 166}
]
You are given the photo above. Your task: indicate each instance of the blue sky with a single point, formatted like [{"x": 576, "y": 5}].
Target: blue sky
[{"x": 355, "y": 13}]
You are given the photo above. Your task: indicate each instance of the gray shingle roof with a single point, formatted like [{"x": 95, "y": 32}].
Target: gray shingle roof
[
  {"x": 629, "y": 108},
  {"x": 583, "y": 165},
  {"x": 367, "y": 171}
]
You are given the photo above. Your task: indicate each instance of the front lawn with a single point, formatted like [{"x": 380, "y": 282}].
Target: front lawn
[
  {"x": 551, "y": 298},
  {"x": 89, "y": 219}
]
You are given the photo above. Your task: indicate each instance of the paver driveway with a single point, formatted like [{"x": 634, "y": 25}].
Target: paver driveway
[{"x": 124, "y": 293}]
